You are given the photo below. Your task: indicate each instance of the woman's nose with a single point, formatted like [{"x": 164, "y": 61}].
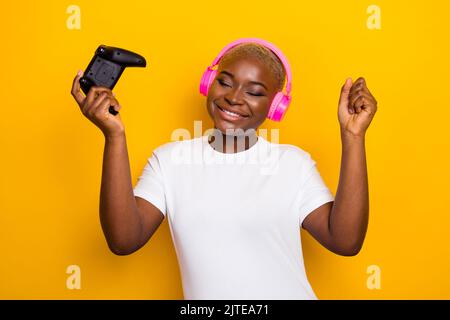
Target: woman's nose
[{"x": 233, "y": 97}]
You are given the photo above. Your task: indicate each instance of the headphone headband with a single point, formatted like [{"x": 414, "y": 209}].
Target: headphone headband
[{"x": 267, "y": 44}]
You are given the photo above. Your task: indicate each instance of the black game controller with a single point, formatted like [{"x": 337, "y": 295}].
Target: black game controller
[{"x": 107, "y": 66}]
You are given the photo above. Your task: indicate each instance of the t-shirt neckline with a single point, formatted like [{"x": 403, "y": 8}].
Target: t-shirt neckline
[{"x": 250, "y": 150}]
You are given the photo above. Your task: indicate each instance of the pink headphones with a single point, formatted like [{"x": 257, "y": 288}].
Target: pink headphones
[{"x": 280, "y": 102}]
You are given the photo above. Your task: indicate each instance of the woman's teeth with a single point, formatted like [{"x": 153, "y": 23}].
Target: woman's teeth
[{"x": 231, "y": 113}]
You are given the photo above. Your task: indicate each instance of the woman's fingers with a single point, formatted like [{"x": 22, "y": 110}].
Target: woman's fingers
[
  {"x": 359, "y": 103},
  {"x": 92, "y": 95},
  {"x": 355, "y": 102},
  {"x": 359, "y": 83},
  {"x": 115, "y": 104},
  {"x": 369, "y": 94},
  {"x": 360, "y": 96},
  {"x": 102, "y": 112},
  {"x": 355, "y": 95},
  {"x": 103, "y": 106},
  {"x": 113, "y": 101},
  {"x": 76, "y": 93},
  {"x": 103, "y": 96}
]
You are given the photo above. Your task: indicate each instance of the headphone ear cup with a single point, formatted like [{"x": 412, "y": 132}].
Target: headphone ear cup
[
  {"x": 207, "y": 79},
  {"x": 279, "y": 106}
]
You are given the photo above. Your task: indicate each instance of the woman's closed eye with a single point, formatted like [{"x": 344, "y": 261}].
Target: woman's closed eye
[
  {"x": 256, "y": 94},
  {"x": 223, "y": 84}
]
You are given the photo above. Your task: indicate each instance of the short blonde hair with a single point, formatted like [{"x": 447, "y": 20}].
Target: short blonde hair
[{"x": 262, "y": 53}]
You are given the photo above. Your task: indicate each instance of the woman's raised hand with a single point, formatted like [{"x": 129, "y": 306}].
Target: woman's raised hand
[{"x": 95, "y": 106}]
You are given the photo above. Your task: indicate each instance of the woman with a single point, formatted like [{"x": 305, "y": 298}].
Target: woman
[{"x": 235, "y": 215}]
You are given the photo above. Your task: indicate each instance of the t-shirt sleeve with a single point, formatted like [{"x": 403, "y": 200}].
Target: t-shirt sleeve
[
  {"x": 150, "y": 185},
  {"x": 313, "y": 191}
]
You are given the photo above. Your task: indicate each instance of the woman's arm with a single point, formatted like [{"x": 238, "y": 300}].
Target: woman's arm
[
  {"x": 119, "y": 216},
  {"x": 341, "y": 225},
  {"x": 127, "y": 222}
]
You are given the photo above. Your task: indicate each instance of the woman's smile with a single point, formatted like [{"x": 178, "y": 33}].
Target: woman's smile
[{"x": 229, "y": 115}]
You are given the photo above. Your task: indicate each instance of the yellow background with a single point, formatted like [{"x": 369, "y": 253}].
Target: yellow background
[{"x": 51, "y": 156}]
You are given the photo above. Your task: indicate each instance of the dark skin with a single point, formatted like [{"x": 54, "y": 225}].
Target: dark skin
[{"x": 340, "y": 225}]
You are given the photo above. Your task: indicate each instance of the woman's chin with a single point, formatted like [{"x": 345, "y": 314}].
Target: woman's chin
[{"x": 228, "y": 128}]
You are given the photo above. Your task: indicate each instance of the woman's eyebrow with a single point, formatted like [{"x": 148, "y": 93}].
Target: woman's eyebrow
[{"x": 252, "y": 82}]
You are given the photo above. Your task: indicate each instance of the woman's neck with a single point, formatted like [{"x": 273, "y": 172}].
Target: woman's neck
[{"x": 232, "y": 144}]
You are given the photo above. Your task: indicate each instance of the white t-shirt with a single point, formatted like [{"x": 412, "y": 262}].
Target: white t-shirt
[{"x": 235, "y": 218}]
